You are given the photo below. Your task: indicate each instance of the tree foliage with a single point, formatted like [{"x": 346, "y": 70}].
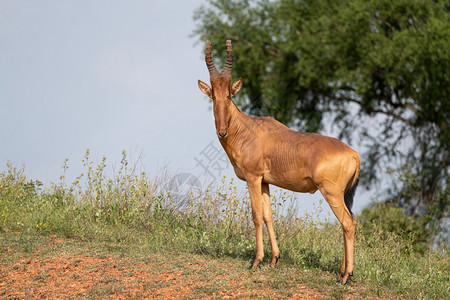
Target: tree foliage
[{"x": 377, "y": 70}]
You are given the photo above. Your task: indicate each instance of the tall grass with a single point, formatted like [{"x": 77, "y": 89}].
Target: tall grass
[{"x": 126, "y": 207}]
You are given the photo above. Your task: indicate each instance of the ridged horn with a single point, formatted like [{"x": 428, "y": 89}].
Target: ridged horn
[
  {"x": 213, "y": 73},
  {"x": 226, "y": 71}
]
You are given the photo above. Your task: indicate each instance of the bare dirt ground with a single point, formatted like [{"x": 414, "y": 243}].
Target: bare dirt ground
[{"x": 55, "y": 268}]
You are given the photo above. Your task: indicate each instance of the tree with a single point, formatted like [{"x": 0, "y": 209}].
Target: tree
[{"x": 377, "y": 70}]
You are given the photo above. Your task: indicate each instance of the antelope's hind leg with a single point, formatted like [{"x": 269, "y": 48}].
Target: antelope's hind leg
[{"x": 337, "y": 204}]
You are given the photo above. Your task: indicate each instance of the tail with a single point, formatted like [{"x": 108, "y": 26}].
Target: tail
[
  {"x": 351, "y": 189},
  {"x": 349, "y": 194}
]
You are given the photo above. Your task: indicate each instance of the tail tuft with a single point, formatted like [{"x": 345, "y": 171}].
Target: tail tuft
[{"x": 349, "y": 194}]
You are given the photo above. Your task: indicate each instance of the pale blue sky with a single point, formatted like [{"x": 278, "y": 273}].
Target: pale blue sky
[{"x": 103, "y": 75}]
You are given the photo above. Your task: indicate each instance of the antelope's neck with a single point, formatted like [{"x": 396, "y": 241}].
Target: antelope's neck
[{"x": 237, "y": 127}]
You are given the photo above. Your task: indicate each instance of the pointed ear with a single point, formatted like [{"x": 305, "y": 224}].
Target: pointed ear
[
  {"x": 205, "y": 88},
  {"x": 236, "y": 86}
]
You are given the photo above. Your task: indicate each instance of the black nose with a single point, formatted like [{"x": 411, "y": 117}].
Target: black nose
[{"x": 222, "y": 135}]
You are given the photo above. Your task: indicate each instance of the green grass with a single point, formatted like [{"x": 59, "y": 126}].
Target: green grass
[{"x": 127, "y": 212}]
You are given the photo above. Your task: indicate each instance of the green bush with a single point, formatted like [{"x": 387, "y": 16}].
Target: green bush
[{"x": 388, "y": 217}]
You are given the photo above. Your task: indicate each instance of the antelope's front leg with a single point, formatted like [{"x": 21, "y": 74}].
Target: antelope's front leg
[
  {"x": 254, "y": 188},
  {"x": 268, "y": 219}
]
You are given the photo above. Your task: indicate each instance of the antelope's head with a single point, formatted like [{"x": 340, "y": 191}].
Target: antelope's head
[{"x": 221, "y": 90}]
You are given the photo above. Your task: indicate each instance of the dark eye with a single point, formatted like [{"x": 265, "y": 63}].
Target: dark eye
[{"x": 213, "y": 98}]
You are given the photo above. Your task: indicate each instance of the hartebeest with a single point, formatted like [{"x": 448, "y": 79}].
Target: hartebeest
[{"x": 263, "y": 151}]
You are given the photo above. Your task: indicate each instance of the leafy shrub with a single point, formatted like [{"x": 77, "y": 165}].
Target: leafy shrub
[{"x": 388, "y": 217}]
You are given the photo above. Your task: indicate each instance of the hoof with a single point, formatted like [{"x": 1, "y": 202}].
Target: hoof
[
  {"x": 344, "y": 279},
  {"x": 341, "y": 281},
  {"x": 274, "y": 263},
  {"x": 255, "y": 265}
]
